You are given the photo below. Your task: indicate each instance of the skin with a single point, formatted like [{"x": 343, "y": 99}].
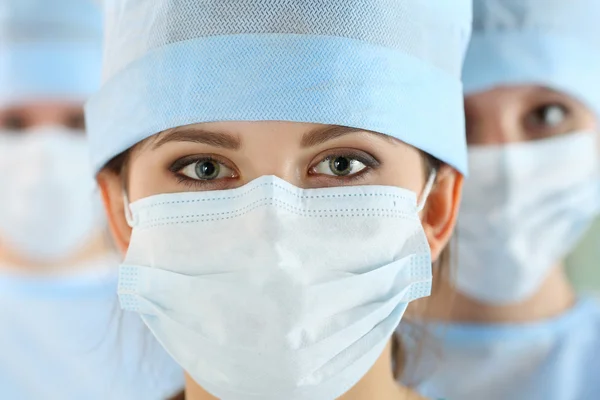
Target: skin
[
  {"x": 294, "y": 152},
  {"x": 19, "y": 118},
  {"x": 509, "y": 115}
]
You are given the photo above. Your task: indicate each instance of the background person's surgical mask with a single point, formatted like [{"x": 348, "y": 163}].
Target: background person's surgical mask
[
  {"x": 48, "y": 209},
  {"x": 525, "y": 206}
]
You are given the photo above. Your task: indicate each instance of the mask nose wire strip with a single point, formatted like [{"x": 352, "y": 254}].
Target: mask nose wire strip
[{"x": 420, "y": 206}]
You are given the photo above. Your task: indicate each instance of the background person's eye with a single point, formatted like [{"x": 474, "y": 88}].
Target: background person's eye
[
  {"x": 206, "y": 170},
  {"x": 547, "y": 119},
  {"x": 76, "y": 121},
  {"x": 339, "y": 166},
  {"x": 13, "y": 122}
]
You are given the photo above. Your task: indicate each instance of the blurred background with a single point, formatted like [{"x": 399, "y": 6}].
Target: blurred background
[{"x": 583, "y": 265}]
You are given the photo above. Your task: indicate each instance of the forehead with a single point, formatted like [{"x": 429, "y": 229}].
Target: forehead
[{"x": 514, "y": 91}]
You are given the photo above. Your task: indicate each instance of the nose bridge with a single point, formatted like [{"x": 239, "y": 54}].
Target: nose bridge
[
  {"x": 48, "y": 114},
  {"x": 42, "y": 120},
  {"x": 278, "y": 165},
  {"x": 269, "y": 152},
  {"x": 499, "y": 126}
]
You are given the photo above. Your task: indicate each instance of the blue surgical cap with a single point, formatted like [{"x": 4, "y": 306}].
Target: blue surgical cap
[
  {"x": 551, "y": 43},
  {"x": 49, "y": 49},
  {"x": 391, "y": 66}
]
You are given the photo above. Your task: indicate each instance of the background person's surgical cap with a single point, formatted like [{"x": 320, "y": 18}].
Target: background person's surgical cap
[
  {"x": 49, "y": 49},
  {"x": 391, "y": 66},
  {"x": 551, "y": 43}
]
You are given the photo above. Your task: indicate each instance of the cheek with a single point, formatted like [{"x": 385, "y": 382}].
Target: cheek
[
  {"x": 436, "y": 250},
  {"x": 148, "y": 176},
  {"x": 588, "y": 122},
  {"x": 111, "y": 189},
  {"x": 403, "y": 167},
  {"x": 416, "y": 309}
]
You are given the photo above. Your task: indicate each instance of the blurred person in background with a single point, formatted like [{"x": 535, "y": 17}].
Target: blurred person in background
[
  {"x": 582, "y": 264},
  {"x": 62, "y": 335},
  {"x": 517, "y": 329}
]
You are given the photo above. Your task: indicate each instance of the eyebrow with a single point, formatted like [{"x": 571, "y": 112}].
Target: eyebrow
[
  {"x": 197, "y": 135},
  {"x": 321, "y": 135},
  {"x": 227, "y": 141}
]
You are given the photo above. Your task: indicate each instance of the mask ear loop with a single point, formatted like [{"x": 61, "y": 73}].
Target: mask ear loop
[
  {"x": 427, "y": 190},
  {"x": 128, "y": 215}
]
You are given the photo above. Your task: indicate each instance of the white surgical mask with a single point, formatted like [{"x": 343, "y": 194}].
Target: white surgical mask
[
  {"x": 525, "y": 206},
  {"x": 47, "y": 203},
  {"x": 270, "y": 291}
]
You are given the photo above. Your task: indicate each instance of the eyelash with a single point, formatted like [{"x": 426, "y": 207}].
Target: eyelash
[
  {"x": 368, "y": 160},
  {"x": 181, "y": 163},
  {"x": 544, "y": 106}
]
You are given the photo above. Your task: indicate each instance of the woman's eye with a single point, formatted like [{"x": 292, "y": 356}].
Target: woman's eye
[
  {"x": 207, "y": 170},
  {"x": 339, "y": 166},
  {"x": 76, "y": 121},
  {"x": 548, "y": 116},
  {"x": 14, "y": 123}
]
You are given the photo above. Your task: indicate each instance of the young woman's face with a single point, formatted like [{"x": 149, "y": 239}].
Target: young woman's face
[
  {"x": 226, "y": 155},
  {"x": 27, "y": 116},
  {"x": 521, "y": 113}
]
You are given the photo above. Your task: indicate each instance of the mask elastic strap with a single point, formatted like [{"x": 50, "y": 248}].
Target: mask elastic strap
[
  {"x": 128, "y": 214},
  {"x": 427, "y": 190}
]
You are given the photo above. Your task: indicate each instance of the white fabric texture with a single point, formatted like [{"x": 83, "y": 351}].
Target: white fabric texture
[
  {"x": 65, "y": 338},
  {"x": 374, "y": 21},
  {"x": 269, "y": 291},
  {"x": 50, "y": 50},
  {"x": 556, "y": 359},
  {"x": 525, "y": 206},
  {"x": 550, "y": 43},
  {"x": 391, "y": 66},
  {"x": 49, "y": 205}
]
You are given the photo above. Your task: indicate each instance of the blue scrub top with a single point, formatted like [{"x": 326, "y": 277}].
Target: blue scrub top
[
  {"x": 557, "y": 359},
  {"x": 66, "y": 338}
]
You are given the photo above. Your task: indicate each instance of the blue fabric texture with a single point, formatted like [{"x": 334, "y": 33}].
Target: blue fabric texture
[
  {"x": 554, "y": 359},
  {"x": 387, "y": 66},
  {"x": 65, "y": 337},
  {"x": 50, "y": 50},
  {"x": 550, "y": 43}
]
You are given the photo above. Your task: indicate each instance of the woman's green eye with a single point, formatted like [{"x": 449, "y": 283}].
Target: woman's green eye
[
  {"x": 339, "y": 166},
  {"x": 207, "y": 170}
]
